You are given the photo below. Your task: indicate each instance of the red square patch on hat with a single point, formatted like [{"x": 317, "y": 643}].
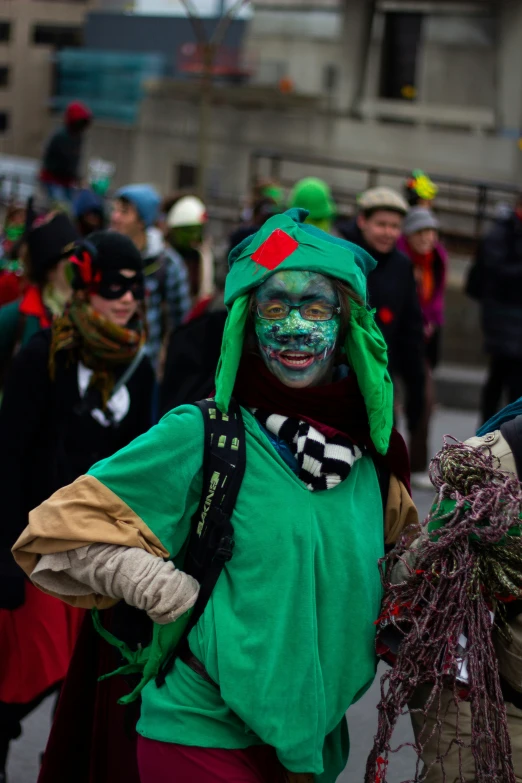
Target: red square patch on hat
[{"x": 275, "y": 249}]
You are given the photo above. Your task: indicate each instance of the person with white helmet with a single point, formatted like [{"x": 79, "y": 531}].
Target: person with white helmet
[
  {"x": 185, "y": 232},
  {"x": 194, "y": 348}
]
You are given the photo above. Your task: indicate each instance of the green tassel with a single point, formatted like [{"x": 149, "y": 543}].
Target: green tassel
[
  {"x": 231, "y": 350},
  {"x": 368, "y": 356}
]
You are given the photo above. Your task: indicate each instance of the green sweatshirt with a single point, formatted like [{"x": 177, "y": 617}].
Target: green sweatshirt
[{"x": 288, "y": 632}]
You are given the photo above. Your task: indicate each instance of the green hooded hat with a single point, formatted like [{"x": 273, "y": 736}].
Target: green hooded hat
[
  {"x": 314, "y": 195},
  {"x": 284, "y": 243}
]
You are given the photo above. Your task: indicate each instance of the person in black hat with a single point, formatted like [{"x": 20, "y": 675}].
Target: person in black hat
[
  {"x": 76, "y": 393},
  {"x": 47, "y": 245}
]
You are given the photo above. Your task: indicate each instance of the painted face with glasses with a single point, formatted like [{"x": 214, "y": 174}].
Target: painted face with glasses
[{"x": 297, "y": 322}]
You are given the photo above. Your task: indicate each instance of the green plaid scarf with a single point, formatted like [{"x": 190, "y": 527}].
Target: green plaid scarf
[{"x": 98, "y": 343}]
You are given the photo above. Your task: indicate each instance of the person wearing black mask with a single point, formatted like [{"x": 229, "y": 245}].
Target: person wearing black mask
[{"x": 76, "y": 393}]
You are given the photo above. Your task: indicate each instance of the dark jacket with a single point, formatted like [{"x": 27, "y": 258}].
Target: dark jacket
[
  {"x": 47, "y": 439},
  {"x": 495, "y": 280},
  {"x": 61, "y": 161},
  {"x": 192, "y": 358},
  {"x": 393, "y": 294}
]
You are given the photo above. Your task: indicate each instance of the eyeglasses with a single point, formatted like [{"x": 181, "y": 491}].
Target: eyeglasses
[{"x": 311, "y": 311}]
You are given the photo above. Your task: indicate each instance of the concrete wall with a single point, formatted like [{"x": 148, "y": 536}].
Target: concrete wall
[
  {"x": 470, "y": 76},
  {"x": 457, "y": 58},
  {"x": 168, "y": 131}
]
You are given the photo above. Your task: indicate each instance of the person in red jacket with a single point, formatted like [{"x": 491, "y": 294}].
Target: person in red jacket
[{"x": 61, "y": 161}]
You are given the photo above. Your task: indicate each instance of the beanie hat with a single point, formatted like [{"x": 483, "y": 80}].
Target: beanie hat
[
  {"x": 86, "y": 201},
  {"x": 417, "y": 219},
  {"x": 188, "y": 211},
  {"x": 382, "y": 198},
  {"x": 274, "y": 192},
  {"x": 77, "y": 112},
  {"x": 315, "y": 196},
  {"x": 286, "y": 242},
  {"x": 145, "y": 198},
  {"x": 48, "y": 242},
  {"x": 102, "y": 252}
]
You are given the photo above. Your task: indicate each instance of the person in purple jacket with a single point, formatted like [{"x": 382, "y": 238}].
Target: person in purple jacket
[{"x": 420, "y": 242}]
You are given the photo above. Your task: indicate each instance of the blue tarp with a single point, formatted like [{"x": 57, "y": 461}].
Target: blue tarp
[{"x": 111, "y": 83}]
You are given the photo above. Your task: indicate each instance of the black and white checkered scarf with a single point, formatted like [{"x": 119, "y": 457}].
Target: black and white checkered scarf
[{"x": 323, "y": 462}]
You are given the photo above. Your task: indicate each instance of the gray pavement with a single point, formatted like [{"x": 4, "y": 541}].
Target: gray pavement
[{"x": 362, "y": 717}]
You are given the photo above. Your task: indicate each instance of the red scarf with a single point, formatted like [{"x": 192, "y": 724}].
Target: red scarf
[
  {"x": 424, "y": 273},
  {"x": 334, "y": 408}
]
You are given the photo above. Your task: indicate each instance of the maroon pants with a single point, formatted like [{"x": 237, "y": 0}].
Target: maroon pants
[{"x": 163, "y": 762}]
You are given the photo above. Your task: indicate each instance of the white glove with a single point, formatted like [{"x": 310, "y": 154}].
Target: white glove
[{"x": 139, "y": 578}]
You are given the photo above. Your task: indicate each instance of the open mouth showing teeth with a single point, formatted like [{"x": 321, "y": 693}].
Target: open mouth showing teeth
[{"x": 296, "y": 359}]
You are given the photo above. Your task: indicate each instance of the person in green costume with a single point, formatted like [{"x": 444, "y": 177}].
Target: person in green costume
[
  {"x": 315, "y": 196},
  {"x": 287, "y": 638}
]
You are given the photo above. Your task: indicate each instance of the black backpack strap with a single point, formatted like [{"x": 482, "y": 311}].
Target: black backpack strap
[{"x": 211, "y": 542}]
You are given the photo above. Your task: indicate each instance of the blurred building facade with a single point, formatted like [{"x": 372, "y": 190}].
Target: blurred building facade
[
  {"x": 415, "y": 83},
  {"x": 31, "y": 32},
  {"x": 432, "y": 84}
]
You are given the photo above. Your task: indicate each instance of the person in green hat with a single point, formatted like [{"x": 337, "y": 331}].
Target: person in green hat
[
  {"x": 315, "y": 196},
  {"x": 286, "y": 642}
]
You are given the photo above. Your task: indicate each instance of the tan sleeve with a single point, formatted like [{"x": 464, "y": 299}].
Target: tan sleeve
[
  {"x": 85, "y": 512},
  {"x": 400, "y": 513}
]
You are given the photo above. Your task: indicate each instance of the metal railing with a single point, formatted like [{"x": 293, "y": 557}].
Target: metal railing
[{"x": 465, "y": 205}]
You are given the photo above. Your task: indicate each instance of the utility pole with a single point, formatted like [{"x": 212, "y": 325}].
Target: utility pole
[{"x": 209, "y": 47}]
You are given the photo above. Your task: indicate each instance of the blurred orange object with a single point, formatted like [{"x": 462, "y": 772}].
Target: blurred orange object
[{"x": 286, "y": 85}]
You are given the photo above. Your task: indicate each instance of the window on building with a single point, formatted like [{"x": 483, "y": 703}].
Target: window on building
[
  {"x": 4, "y": 75},
  {"x": 5, "y": 31},
  {"x": 57, "y": 36},
  {"x": 185, "y": 176},
  {"x": 400, "y": 53},
  {"x": 4, "y": 121}
]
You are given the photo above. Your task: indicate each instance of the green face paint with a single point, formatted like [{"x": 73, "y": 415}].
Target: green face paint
[
  {"x": 298, "y": 352},
  {"x": 186, "y": 237}
]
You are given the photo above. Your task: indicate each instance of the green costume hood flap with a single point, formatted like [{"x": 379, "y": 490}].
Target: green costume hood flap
[{"x": 284, "y": 243}]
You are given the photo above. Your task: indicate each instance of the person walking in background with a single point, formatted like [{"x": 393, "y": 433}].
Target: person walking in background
[
  {"x": 134, "y": 213},
  {"x": 315, "y": 196},
  {"x": 185, "y": 226},
  {"x": 194, "y": 347},
  {"x": 61, "y": 163},
  {"x": 393, "y": 292},
  {"x": 420, "y": 242},
  {"x": 76, "y": 393},
  {"x": 45, "y": 252},
  {"x": 495, "y": 281},
  {"x": 419, "y": 189}
]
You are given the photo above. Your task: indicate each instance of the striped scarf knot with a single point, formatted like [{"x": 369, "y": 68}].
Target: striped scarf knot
[{"x": 323, "y": 461}]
